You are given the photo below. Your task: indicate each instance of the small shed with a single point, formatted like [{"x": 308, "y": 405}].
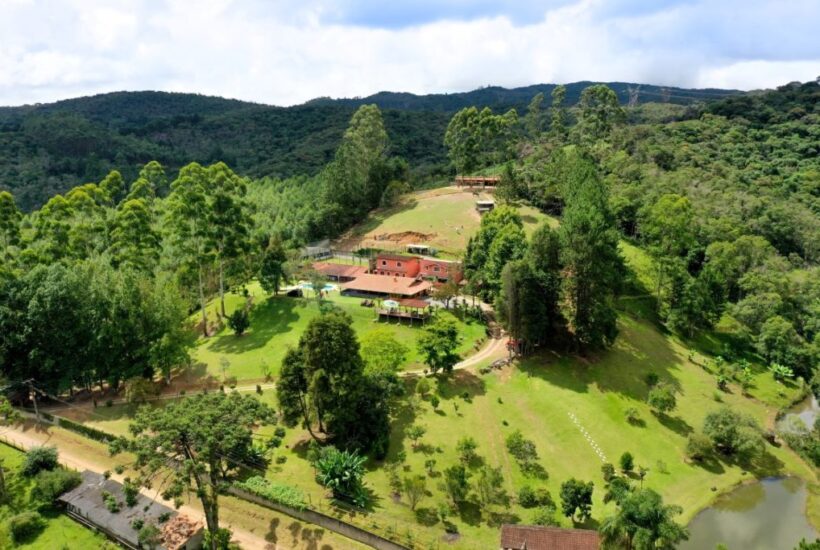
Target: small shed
[
  {"x": 422, "y": 249},
  {"x": 86, "y": 504},
  {"x": 317, "y": 250},
  {"x": 484, "y": 206}
]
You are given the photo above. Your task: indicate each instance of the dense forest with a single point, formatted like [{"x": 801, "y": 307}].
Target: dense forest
[{"x": 47, "y": 149}]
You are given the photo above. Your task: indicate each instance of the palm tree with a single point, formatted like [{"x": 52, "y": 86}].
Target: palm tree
[{"x": 643, "y": 522}]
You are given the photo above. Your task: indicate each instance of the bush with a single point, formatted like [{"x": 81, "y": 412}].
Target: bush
[
  {"x": 279, "y": 431},
  {"x": 545, "y": 515},
  {"x": 110, "y": 502},
  {"x": 137, "y": 524},
  {"x": 130, "y": 490},
  {"x": 342, "y": 472},
  {"x": 239, "y": 321},
  {"x": 39, "y": 459},
  {"x": 48, "y": 485},
  {"x": 434, "y": 401},
  {"x": 163, "y": 517},
  {"x": 522, "y": 449},
  {"x": 148, "y": 536},
  {"x": 25, "y": 525},
  {"x": 698, "y": 446},
  {"x": 281, "y": 459},
  {"x": 275, "y": 492},
  {"x": 609, "y": 471},
  {"x": 529, "y": 498},
  {"x": 734, "y": 433},
  {"x": 87, "y": 431},
  {"x": 119, "y": 469},
  {"x": 627, "y": 462},
  {"x": 632, "y": 415},
  {"x": 651, "y": 379}
]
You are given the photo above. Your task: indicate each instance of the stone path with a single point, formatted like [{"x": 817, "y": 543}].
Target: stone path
[{"x": 588, "y": 437}]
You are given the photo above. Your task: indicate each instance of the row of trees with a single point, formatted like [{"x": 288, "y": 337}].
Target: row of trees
[{"x": 560, "y": 281}]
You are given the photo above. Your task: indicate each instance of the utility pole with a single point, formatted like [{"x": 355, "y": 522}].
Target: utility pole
[{"x": 33, "y": 394}]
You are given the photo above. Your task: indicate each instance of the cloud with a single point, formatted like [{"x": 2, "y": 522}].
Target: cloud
[{"x": 287, "y": 52}]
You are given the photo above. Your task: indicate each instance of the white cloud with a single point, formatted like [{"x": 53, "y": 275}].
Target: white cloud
[{"x": 286, "y": 52}]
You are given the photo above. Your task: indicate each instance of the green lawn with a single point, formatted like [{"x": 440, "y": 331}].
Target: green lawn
[
  {"x": 277, "y": 322},
  {"x": 441, "y": 218},
  {"x": 60, "y": 531}
]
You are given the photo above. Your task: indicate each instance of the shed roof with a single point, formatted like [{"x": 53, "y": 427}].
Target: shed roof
[
  {"x": 385, "y": 284},
  {"x": 534, "y": 537},
  {"x": 87, "y": 501},
  {"x": 339, "y": 270},
  {"x": 414, "y": 303}
]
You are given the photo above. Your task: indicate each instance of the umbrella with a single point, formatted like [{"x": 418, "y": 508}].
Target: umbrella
[{"x": 390, "y": 303}]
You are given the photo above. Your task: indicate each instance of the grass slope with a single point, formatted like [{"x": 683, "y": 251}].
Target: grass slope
[
  {"x": 277, "y": 322},
  {"x": 442, "y": 218}
]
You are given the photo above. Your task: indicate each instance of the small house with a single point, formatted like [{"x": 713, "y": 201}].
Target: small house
[
  {"x": 440, "y": 270},
  {"x": 88, "y": 504},
  {"x": 395, "y": 265},
  {"x": 484, "y": 206}
]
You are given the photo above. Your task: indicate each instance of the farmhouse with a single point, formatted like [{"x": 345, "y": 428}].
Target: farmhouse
[
  {"x": 395, "y": 265},
  {"x": 86, "y": 504},
  {"x": 381, "y": 285},
  {"x": 440, "y": 270},
  {"x": 534, "y": 537},
  {"x": 339, "y": 272}
]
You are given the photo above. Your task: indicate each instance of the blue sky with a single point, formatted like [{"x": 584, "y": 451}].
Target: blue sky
[{"x": 288, "y": 51}]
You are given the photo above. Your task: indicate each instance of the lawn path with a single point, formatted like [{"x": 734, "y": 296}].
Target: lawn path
[
  {"x": 588, "y": 437},
  {"x": 37, "y": 437}
]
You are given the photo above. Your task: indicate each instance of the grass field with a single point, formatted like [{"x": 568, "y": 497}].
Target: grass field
[
  {"x": 277, "y": 322},
  {"x": 60, "y": 531},
  {"x": 441, "y": 218}
]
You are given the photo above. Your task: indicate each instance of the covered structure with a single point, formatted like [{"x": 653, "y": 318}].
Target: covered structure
[
  {"x": 385, "y": 286},
  {"x": 536, "y": 537},
  {"x": 475, "y": 181},
  {"x": 412, "y": 309},
  {"x": 484, "y": 206},
  {"x": 317, "y": 250},
  {"x": 339, "y": 272},
  {"x": 85, "y": 503}
]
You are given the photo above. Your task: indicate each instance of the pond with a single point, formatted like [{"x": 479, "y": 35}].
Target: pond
[
  {"x": 806, "y": 411},
  {"x": 763, "y": 515}
]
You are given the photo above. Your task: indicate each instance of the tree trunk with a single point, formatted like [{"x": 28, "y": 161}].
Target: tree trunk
[
  {"x": 202, "y": 303},
  {"x": 222, "y": 287}
]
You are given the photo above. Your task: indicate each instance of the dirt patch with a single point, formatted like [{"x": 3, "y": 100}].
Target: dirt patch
[{"x": 405, "y": 237}]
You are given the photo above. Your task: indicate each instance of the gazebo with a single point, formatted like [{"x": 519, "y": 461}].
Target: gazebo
[{"x": 412, "y": 309}]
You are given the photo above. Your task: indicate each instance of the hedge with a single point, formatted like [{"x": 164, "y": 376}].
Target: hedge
[
  {"x": 275, "y": 492},
  {"x": 87, "y": 431}
]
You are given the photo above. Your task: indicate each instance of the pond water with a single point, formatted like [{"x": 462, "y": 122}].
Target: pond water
[
  {"x": 764, "y": 515},
  {"x": 806, "y": 411}
]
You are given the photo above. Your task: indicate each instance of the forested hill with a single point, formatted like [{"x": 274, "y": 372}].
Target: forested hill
[
  {"x": 499, "y": 98},
  {"x": 49, "y": 148}
]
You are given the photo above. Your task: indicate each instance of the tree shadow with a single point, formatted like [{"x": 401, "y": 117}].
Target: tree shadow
[
  {"x": 271, "y": 535},
  {"x": 272, "y": 317},
  {"x": 496, "y": 519},
  {"x": 469, "y": 512},
  {"x": 675, "y": 423},
  {"x": 459, "y": 383}
]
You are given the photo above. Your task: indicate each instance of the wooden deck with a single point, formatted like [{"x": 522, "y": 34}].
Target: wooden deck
[{"x": 387, "y": 314}]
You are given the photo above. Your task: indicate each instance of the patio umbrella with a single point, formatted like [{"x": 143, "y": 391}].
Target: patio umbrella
[{"x": 391, "y": 304}]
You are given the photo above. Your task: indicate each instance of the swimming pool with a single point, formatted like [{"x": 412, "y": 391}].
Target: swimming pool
[{"x": 327, "y": 288}]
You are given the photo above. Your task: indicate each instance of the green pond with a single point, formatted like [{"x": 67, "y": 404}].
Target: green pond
[{"x": 769, "y": 514}]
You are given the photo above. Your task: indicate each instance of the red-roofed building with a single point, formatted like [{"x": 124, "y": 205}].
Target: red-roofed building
[
  {"x": 395, "y": 265},
  {"x": 534, "y": 537},
  {"x": 339, "y": 272},
  {"x": 382, "y": 285},
  {"x": 440, "y": 270}
]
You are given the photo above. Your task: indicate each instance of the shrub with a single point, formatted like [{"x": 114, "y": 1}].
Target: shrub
[
  {"x": 110, "y": 502},
  {"x": 239, "y": 321},
  {"x": 545, "y": 515},
  {"x": 109, "y": 403},
  {"x": 522, "y": 449},
  {"x": 87, "y": 431},
  {"x": 148, "y": 536},
  {"x": 632, "y": 415},
  {"x": 423, "y": 387},
  {"x": 275, "y": 492},
  {"x": 48, "y": 485},
  {"x": 119, "y": 469},
  {"x": 434, "y": 401},
  {"x": 107, "y": 474},
  {"x": 662, "y": 398},
  {"x": 780, "y": 372},
  {"x": 698, "y": 446},
  {"x": 529, "y": 498},
  {"x": 163, "y": 517},
  {"x": 627, "y": 462},
  {"x": 274, "y": 442},
  {"x": 466, "y": 447},
  {"x": 130, "y": 490},
  {"x": 39, "y": 459},
  {"x": 342, "y": 473},
  {"x": 609, "y": 471},
  {"x": 279, "y": 431},
  {"x": 25, "y": 525},
  {"x": 259, "y": 389},
  {"x": 651, "y": 379},
  {"x": 281, "y": 459},
  {"x": 137, "y": 524}
]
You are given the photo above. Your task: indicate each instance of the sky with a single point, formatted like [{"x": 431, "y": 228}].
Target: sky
[{"x": 285, "y": 52}]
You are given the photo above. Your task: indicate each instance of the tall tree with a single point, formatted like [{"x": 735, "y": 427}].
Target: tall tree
[
  {"x": 228, "y": 221},
  {"x": 669, "y": 229},
  {"x": 198, "y": 438},
  {"x": 599, "y": 112},
  {"x": 187, "y": 219},
  {"x": 10, "y": 218},
  {"x": 134, "y": 241},
  {"x": 534, "y": 115},
  {"x": 113, "y": 187},
  {"x": 154, "y": 174},
  {"x": 591, "y": 262},
  {"x": 272, "y": 269},
  {"x": 558, "y": 120},
  {"x": 438, "y": 345}
]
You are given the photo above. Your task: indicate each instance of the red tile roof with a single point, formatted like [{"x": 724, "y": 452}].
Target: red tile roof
[
  {"x": 533, "y": 537},
  {"x": 339, "y": 270},
  {"x": 414, "y": 303},
  {"x": 385, "y": 284}
]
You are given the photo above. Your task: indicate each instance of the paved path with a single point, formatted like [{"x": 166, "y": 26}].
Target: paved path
[{"x": 32, "y": 437}]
